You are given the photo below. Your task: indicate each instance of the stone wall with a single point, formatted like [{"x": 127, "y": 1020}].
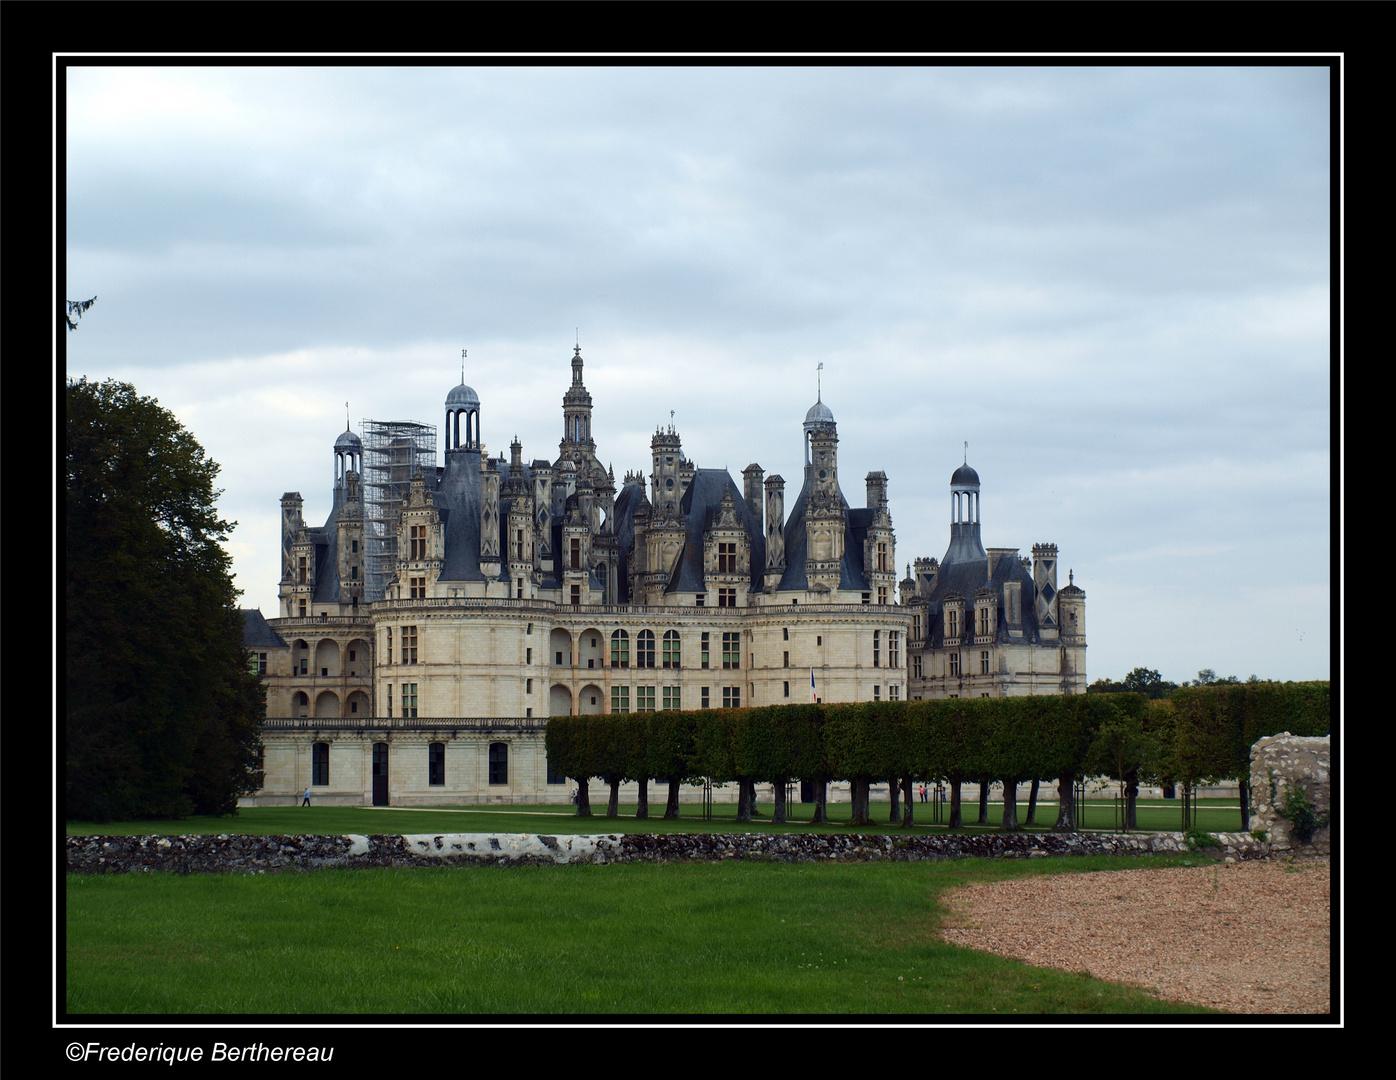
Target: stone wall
[
  {"x": 260, "y": 854},
  {"x": 1282, "y": 766}
]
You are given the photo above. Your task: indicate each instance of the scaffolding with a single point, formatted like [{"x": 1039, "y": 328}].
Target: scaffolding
[{"x": 394, "y": 452}]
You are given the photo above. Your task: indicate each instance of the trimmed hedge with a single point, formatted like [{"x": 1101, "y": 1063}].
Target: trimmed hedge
[{"x": 1202, "y": 733}]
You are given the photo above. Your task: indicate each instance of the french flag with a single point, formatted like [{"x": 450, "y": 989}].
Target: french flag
[{"x": 813, "y": 695}]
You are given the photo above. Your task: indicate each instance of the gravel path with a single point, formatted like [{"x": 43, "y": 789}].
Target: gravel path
[{"x": 1246, "y": 937}]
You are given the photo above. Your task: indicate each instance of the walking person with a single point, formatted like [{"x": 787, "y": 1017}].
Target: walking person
[{"x": 306, "y": 800}]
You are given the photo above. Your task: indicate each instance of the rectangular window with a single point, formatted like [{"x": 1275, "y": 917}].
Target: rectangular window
[
  {"x": 916, "y": 666},
  {"x": 894, "y": 655},
  {"x": 673, "y": 699},
  {"x": 819, "y": 640},
  {"x": 954, "y": 664},
  {"x": 701, "y": 600},
  {"x": 952, "y": 623},
  {"x": 983, "y": 620},
  {"x": 644, "y": 649},
  {"x": 894, "y": 692},
  {"x": 703, "y": 650},
  {"x": 620, "y": 649},
  {"x": 620, "y": 699},
  {"x": 419, "y": 542},
  {"x": 436, "y": 764},
  {"x": 528, "y": 656},
  {"x": 390, "y": 699},
  {"x": 786, "y": 662},
  {"x": 877, "y": 693},
  {"x": 576, "y": 554},
  {"x": 984, "y": 663},
  {"x": 390, "y": 644},
  {"x": 877, "y": 648},
  {"x": 409, "y": 699},
  {"x": 726, "y": 597},
  {"x": 305, "y": 666},
  {"x": 555, "y": 777},
  {"x": 644, "y": 699},
  {"x": 787, "y": 690},
  {"x": 320, "y": 765},
  {"x": 354, "y": 573},
  {"x": 731, "y": 649},
  {"x": 731, "y": 697},
  {"x": 916, "y": 627},
  {"x": 867, "y": 598},
  {"x": 419, "y": 588},
  {"x": 300, "y": 571},
  {"x": 354, "y": 546},
  {"x": 409, "y": 644},
  {"x": 672, "y": 651},
  {"x": 882, "y": 556},
  {"x": 528, "y": 686},
  {"x": 576, "y": 595},
  {"x": 302, "y": 609},
  {"x": 882, "y": 594},
  {"x": 703, "y": 698},
  {"x": 726, "y": 560}
]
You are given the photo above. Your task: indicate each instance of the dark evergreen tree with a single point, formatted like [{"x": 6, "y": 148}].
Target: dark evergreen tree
[{"x": 163, "y": 714}]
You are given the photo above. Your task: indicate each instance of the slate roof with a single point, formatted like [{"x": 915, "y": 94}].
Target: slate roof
[
  {"x": 701, "y": 504},
  {"x": 965, "y": 570},
  {"x": 851, "y": 574},
  {"x": 257, "y": 632}
]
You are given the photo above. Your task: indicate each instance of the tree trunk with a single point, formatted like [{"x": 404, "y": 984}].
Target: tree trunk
[
  {"x": 858, "y": 791},
  {"x": 1245, "y": 788},
  {"x": 1066, "y": 803},
  {"x": 613, "y": 805},
  {"x": 821, "y": 803},
  {"x": 956, "y": 818},
  {"x": 778, "y": 814},
  {"x": 751, "y": 799},
  {"x": 909, "y": 790},
  {"x": 583, "y": 799},
  {"x": 983, "y": 803},
  {"x": 671, "y": 807},
  {"x": 1032, "y": 805},
  {"x": 894, "y": 816},
  {"x": 1131, "y": 800},
  {"x": 1009, "y": 821},
  {"x": 642, "y": 804},
  {"x": 744, "y": 800}
]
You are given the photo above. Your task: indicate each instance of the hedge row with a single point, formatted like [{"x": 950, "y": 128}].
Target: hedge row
[{"x": 1202, "y": 733}]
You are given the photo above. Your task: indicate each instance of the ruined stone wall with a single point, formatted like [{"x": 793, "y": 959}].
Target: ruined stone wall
[
  {"x": 262, "y": 854},
  {"x": 1289, "y": 782}
]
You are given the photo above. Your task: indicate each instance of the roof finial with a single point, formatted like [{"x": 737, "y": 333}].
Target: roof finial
[
  {"x": 462, "y": 367},
  {"x": 819, "y": 383},
  {"x": 346, "y": 416},
  {"x": 966, "y": 451}
]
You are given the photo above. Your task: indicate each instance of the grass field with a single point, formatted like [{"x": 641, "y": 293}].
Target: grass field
[
  {"x": 1214, "y": 815},
  {"x": 744, "y": 938}
]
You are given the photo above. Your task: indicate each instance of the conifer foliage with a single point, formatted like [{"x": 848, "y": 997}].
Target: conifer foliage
[{"x": 163, "y": 714}]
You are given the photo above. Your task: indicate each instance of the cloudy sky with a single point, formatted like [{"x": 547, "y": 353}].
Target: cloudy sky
[{"x": 1113, "y": 283}]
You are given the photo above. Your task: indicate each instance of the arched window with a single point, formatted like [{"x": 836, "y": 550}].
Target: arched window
[
  {"x": 300, "y": 703},
  {"x": 671, "y": 649},
  {"x": 436, "y": 764},
  {"x": 499, "y": 763},
  {"x": 320, "y": 764},
  {"x": 644, "y": 649},
  {"x": 620, "y": 649}
]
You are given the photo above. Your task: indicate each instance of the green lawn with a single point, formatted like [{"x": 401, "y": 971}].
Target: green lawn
[
  {"x": 726, "y": 938},
  {"x": 1214, "y": 815}
]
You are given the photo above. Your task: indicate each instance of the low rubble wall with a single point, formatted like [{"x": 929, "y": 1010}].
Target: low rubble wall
[
  {"x": 1283, "y": 767},
  {"x": 227, "y": 853}
]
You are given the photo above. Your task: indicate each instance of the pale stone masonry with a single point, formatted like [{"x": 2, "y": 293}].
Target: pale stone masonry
[
  {"x": 1282, "y": 764},
  {"x": 437, "y": 595}
]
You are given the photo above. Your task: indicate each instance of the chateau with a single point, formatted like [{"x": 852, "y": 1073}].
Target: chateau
[{"x": 428, "y": 629}]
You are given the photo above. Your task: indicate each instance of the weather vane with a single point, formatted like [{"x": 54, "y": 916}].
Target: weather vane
[
  {"x": 966, "y": 451},
  {"x": 462, "y": 365},
  {"x": 819, "y": 382},
  {"x": 346, "y": 416}
]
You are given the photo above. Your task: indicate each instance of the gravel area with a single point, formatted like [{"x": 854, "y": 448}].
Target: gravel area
[{"x": 1248, "y": 937}]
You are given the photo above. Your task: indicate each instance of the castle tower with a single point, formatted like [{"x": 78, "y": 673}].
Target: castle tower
[
  {"x": 462, "y": 419},
  {"x": 577, "y": 444},
  {"x": 825, "y": 517},
  {"x": 965, "y": 542},
  {"x": 879, "y": 553},
  {"x": 291, "y": 523},
  {"x": 666, "y": 452},
  {"x": 751, "y": 489},
  {"x": 489, "y": 518},
  {"x": 348, "y": 457}
]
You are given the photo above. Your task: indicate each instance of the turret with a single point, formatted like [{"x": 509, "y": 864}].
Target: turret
[
  {"x": 1044, "y": 583},
  {"x": 775, "y": 531}
]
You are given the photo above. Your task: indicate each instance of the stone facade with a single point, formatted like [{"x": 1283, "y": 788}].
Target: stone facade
[
  {"x": 525, "y": 589},
  {"x": 1282, "y": 765}
]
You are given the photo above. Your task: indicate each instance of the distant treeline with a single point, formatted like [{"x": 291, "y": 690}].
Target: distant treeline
[{"x": 1198, "y": 735}]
